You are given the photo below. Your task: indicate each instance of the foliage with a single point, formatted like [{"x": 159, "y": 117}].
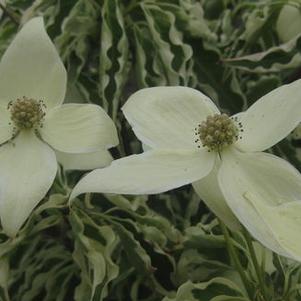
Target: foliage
[{"x": 167, "y": 247}]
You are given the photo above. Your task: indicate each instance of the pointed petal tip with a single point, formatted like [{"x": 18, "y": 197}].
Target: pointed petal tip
[
  {"x": 22, "y": 163},
  {"x": 32, "y": 58},
  {"x": 152, "y": 172},
  {"x": 39, "y": 20},
  {"x": 271, "y": 118}
]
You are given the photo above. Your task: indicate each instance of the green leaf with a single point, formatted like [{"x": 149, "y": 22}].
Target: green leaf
[
  {"x": 41, "y": 268},
  {"x": 195, "y": 266},
  {"x": 217, "y": 289},
  {"x": 196, "y": 237},
  {"x": 114, "y": 52},
  {"x": 174, "y": 54},
  {"x": 275, "y": 59},
  {"x": 220, "y": 83},
  {"x": 148, "y": 63},
  {"x": 135, "y": 253},
  {"x": 78, "y": 29},
  {"x": 7, "y": 32},
  {"x": 94, "y": 247}
]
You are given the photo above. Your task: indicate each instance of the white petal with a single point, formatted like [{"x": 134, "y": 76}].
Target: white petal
[
  {"x": 31, "y": 67},
  {"x": 208, "y": 190},
  {"x": 264, "y": 176},
  {"x": 27, "y": 170},
  {"x": 148, "y": 173},
  {"x": 84, "y": 161},
  {"x": 79, "y": 128},
  {"x": 284, "y": 221},
  {"x": 271, "y": 118},
  {"x": 6, "y": 129},
  {"x": 166, "y": 117},
  {"x": 146, "y": 147}
]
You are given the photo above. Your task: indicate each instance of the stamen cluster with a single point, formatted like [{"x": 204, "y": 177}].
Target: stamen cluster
[
  {"x": 26, "y": 113},
  {"x": 217, "y": 132}
]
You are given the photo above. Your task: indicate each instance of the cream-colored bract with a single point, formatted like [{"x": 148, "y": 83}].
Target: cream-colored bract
[
  {"x": 31, "y": 68},
  {"x": 236, "y": 183},
  {"x": 84, "y": 161}
]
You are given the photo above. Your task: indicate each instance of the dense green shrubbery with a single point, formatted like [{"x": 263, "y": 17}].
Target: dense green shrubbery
[{"x": 167, "y": 247}]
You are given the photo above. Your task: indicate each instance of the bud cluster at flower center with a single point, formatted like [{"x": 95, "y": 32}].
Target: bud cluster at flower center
[
  {"x": 217, "y": 132},
  {"x": 26, "y": 113}
]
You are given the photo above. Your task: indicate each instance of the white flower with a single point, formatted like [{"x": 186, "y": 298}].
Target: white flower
[
  {"x": 34, "y": 125},
  {"x": 221, "y": 156}
]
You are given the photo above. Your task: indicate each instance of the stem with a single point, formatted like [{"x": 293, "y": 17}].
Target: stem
[
  {"x": 255, "y": 263},
  {"x": 234, "y": 257},
  {"x": 9, "y": 13}
]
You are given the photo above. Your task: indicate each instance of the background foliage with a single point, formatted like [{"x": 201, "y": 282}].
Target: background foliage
[{"x": 167, "y": 247}]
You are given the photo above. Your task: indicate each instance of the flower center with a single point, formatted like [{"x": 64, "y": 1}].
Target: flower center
[
  {"x": 26, "y": 113},
  {"x": 217, "y": 132}
]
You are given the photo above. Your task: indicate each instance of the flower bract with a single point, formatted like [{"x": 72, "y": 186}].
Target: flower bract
[
  {"x": 190, "y": 141},
  {"x": 36, "y": 128}
]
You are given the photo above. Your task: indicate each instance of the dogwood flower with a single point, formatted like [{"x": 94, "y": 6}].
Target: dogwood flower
[
  {"x": 34, "y": 125},
  {"x": 190, "y": 141}
]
